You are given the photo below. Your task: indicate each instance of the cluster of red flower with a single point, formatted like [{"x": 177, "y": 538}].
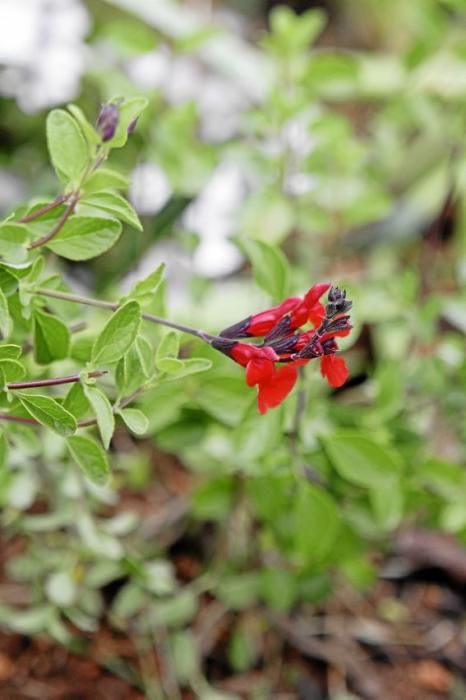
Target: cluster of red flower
[{"x": 284, "y": 344}]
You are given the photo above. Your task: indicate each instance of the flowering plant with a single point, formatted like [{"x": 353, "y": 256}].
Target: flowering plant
[{"x": 285, "y": 343}]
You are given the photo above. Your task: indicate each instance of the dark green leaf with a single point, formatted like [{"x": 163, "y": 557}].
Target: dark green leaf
[{"x": 51, "y": 338}]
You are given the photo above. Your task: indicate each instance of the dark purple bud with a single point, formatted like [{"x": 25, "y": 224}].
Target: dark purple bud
[
  {"x": 107, "y": 121},
  {"x": 283, "y": 327},
  {"x": 132, "y": 126},
  {"x": 339, "y": 324},
  {"x": 238, "y": 330},
  {"x": 311, "y": 350},
  {"x": 329, "y": 346},
  {"x": 337, "y": 302},
  {"x": 285, "y": 345}
]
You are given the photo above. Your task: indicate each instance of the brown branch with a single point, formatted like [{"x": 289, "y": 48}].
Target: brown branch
[
  {"x": 59, "y": 225},
  {"x": 54, "y": 381},
  {"x": 37, "y": 213}
]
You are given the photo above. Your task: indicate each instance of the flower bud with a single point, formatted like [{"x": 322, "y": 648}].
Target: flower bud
[
  {"x": 107, "y": 121},
  {"x": 132, "y": 126}
]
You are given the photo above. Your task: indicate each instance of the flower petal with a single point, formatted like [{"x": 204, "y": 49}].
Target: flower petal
[
  {"x": 334, "y": 369},
  {"x": 315, "y": 293},
  {"x": 273, "y": 391},
  {"x": 258, "y": 369},
  {"x": 316, "y": 314}
]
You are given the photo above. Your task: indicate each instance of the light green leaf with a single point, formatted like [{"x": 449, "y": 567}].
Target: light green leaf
[
  {"x": 85, "y": 237},
  {"x": 145, "y": 290},
  {"x": 61, "y": 589},
  {"x": 90, "y": 457},
  {"x": 361, "y": 461},
  {"x": 9, "y": 352},
  {"x": 129, "y": 111},
  {"x": 90, "y": 134},
  {"x": 387, "y": 504},
  {"x": 67, "y": 146},
  {"x": 51, "y": 338},
  {"x": 49, "y": 413},
  {"x": 191, "y": 366},
  {"x": 104, "y": 179},
  {"x": 13, "y": 241},
  {"x": 135, "y": 419},
  {"x": 170, "y": 365},
  {"x": 5, "y": 321},
  {"x": 76, "y": 402},
  {"x": 103, "y": 412},
  {"x": 167, "y": 348},
  {"x": 270, "y": 267},
  {"x": 316, "y": 523},
  {"x": 114, "y": 204},
  {"x": 3, "y": 448},
  {"x": 118, "y": 334},
  {"x": 12, "y": 370}
]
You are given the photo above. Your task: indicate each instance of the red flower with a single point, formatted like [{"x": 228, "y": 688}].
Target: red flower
[
  {"x": 282, "y": 344},
  {"x": 334, "y": 369},
  {"x": 272, "y": 391},
  {"x": 295, "y": 311}
]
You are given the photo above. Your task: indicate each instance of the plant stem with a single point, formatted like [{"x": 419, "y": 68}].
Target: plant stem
[
  {"x": 59, "y": 225},
  {"x": 113, "y": 306},
  {"x": 18, "y": 419},
  {"x": 54, "y": 381},
  {"x": 37, "y": 213}
]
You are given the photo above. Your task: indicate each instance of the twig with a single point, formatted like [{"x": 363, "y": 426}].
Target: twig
[
  {"x": 113, "y": 306},
  {"x": 37, "y": 213},
  {"x": 59, "y": 225},
  {"x": 54, "y": 381}
]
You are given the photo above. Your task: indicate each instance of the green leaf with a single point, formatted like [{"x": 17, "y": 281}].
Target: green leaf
[
  {"x": 361, "y": 461},
  {"x": 387, "y": 505},
  {"x": 135, "y": 420},
  {"x": 76, "y": 402},
  {"x": 85, "y": 237},
  {"x": 5, "y": 321},
  {"x": 118, "y": 334},
  {"x": 49, "y": 413},
  {"x": 168, "y": 346},
  {"x": 132, "y": 370},
  {"x": 67, "y": 146},
  {"x": 114, "y": 204},
  {"x": 170, "y": 365},
  {"x": 129, "y": 111},
  {"x": 51, "y": 338},
  {"x": 316, "y": 523},
  {"x": 90, "y": 457},
  {"x": 3, "y": 448},
  {"x": 13, "y": 241},
  {"x": 10, "y": 352},
  {"x": 103, "y": 412},
  {"x": 191, "y": 366},
  {"x": 145, "y": 290},
  {"x": 12, "y": 370},
  {"x": 90, "y": 134},
  {"x": 104, "y": 179},
  {"x": 270, "y": 267}
]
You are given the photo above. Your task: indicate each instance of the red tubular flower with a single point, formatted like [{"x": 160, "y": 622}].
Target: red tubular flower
[
  {"x": 334, "y": 369},
  {"x": 272, "y": 391},
  {"x": 282, "y": 343}
]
